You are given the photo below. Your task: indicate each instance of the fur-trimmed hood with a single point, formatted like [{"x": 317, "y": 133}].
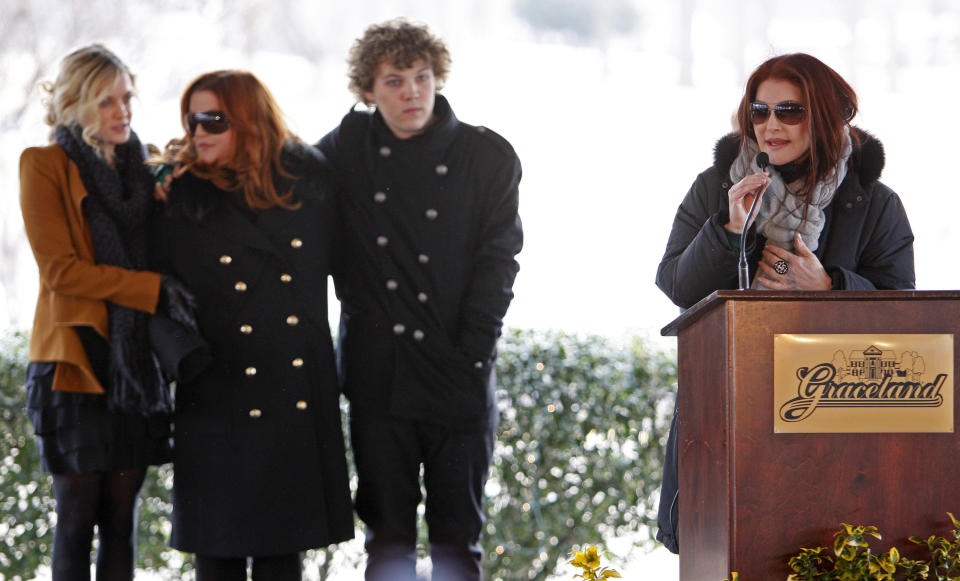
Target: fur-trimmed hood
[{"x": 866, "y": 161}]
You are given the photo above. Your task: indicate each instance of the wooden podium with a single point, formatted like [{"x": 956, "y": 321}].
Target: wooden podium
[{"x": 751, "y": 498}]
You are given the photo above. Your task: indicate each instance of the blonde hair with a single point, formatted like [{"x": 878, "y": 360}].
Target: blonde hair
[{"x": 85, "y": 78}]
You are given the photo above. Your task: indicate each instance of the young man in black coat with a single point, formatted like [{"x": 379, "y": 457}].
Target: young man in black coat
[{"x": 432, "y": 229}]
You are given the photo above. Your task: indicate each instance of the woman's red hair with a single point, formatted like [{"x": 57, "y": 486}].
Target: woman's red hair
[
  {"x": 260, "y": 133},
  {"x": 830, "y": 101}
]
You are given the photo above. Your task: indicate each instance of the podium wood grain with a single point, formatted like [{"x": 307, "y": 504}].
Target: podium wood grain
[{"x": 750, "y": 498}]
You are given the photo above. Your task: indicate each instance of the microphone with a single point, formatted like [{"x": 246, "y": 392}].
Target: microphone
[{"x": 763, "y": 160}]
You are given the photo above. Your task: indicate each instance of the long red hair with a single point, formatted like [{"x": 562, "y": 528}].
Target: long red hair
[
  {"x": 830, "y": 101},
  {"x": 260, "y": 134}
]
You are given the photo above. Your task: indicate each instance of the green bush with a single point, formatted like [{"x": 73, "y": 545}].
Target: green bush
[
  {"x": 27, "y": 508},
  {"x": 852, "y": 559},
  {"x": 27, "y": 512},
  {"x": 580, "y": 444},
  {"x": 578, "y": 460}
]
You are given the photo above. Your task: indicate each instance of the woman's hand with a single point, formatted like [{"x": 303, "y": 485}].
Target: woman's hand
[
  {"x": 161, "y": 187},
  {"x": 740, "y": 196},
  {"x": 177, "y": 302},
  {"x": 781, "y": 269}
]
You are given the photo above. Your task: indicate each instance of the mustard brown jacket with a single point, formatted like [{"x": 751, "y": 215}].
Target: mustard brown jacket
[{"x": 74, "y": 290}]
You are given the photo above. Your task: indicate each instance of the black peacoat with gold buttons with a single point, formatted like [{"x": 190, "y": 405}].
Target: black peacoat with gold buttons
[
  {"x": 431, "y": 234},
  {"x": 259, "y": 452}
]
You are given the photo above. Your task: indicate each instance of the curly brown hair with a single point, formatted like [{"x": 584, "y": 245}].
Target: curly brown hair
[{"x": 399, "y": 42}]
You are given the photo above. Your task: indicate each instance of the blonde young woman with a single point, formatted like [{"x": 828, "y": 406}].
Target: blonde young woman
[{"x": 98, "y": 403}]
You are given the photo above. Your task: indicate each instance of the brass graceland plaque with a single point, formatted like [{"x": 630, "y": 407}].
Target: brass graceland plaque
[{"x": 862, "y": 383}]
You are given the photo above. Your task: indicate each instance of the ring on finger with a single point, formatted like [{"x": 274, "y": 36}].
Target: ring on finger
[{"x": 781, "y": 267}]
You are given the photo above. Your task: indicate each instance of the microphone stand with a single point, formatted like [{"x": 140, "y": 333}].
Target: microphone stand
[{"x": 743, "y": 267}]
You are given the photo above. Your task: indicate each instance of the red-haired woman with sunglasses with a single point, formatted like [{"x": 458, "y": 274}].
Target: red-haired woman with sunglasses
[
  {"x": 823, "y": 220},
  {"x": 250, "y": 227}
]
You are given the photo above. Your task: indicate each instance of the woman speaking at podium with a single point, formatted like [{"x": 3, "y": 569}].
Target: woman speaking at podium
[{"x": 822, "y": 221}]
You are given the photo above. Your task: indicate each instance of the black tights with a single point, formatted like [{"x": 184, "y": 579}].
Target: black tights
[
  {"x": 273, "y": 568},
  {"x": 106, "y": 500}
]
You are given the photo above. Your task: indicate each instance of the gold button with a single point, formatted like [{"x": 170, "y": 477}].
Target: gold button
[
  {"x": 385, "y": 151},
  {"x": 240, "y": 286},
  {"x": 431, "y": 214},
  {"x": 301, "y": 405},
  {"x": 296, "y": 243},
  {"x": 423, "y": 258},
  {"x": 251, "y": 371},
  {"x": 379, "y": 197},
  {"x": 285, "y": 277},
  {"x": 226, "y": 259},
  {"x": 293, "y": 320},
  {"x": 441, "y": 170},
  {"x": 246, "y": 329},
  {"x": 255, "y": 413},
  {"x": 392, "y": 284},
  {"x": 298, "y": 362},
  {"x": 422, "y": 297}
]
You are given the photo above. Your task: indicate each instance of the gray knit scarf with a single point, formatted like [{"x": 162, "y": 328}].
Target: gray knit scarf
[
  {"x": 783, "y": 213},
  {"x": 117, "y": 207}
]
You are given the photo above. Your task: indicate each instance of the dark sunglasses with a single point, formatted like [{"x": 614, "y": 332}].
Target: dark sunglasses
[
  {"x": 787, "y": 112},
  {"x": 213, "y": 122}
]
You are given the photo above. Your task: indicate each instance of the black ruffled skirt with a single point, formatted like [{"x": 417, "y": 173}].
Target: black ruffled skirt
[{"x": 77, "y": 433}]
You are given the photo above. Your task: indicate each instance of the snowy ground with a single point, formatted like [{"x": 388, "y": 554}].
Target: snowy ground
[{"x": 659, "y": 565}]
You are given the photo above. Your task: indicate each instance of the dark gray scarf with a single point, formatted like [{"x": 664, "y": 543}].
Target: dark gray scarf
[{"x": 117, "y": 207}]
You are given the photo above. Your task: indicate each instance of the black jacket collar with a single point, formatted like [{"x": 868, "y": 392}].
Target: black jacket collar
[
  {"x": 437, "y": 136},
  {"x": 195, "y": 198}
]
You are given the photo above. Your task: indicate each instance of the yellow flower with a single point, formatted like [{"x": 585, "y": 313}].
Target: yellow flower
[
  {"x": 589, "y": 561},
  {"x": 592, "y": 558}
]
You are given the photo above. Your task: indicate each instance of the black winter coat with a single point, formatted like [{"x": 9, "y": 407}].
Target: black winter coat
[
  {"x": 866, "y": 242},
  {"x": 431, "y": 234},
  {"x": 259, "y": 464}
]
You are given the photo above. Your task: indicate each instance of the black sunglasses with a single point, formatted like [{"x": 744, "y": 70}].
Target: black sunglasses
[
  {"x": 787, "y": 112},
  {"x": 213, "y": 122}
]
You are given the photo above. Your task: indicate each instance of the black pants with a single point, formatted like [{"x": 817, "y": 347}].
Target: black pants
[
  {"x": 389, "y": 453},
  {"x": 274, "y": 568}
]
